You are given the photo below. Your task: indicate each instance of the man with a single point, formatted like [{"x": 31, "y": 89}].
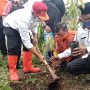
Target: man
[
  {"x": 56, "y": 10},
  {"x": 10, "y": 7},
  {"x": 82, "y": 65},
  {"x": 85, "y": 13},
  {"x": 2, "y": 38},
  {"x": 18, "y": 28},
  {"x": 62, "y": 40}
]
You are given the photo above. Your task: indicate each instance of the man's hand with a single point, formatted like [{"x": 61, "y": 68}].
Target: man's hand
[
  {"x": 41, "y": 58},
  {"x": 37, "y": 54},
  {"x": 55, "y": 62},
  {"x": 79, "y": 51},
  {"x": 47, "y": 28}
]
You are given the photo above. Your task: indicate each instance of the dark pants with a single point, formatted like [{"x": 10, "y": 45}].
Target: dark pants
[
  {"x": 79, "y": 66},
  {"x": 2, "y": 40},
  {"x": 14, "y": 43}
]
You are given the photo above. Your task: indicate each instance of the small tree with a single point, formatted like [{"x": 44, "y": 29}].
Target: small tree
[
  {"x": 72, "y": 13},
  {"x": 43, "y": 45}
]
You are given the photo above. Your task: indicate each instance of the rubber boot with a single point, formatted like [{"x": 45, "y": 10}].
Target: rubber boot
[
  {"x": 12, "y": 61},
  {"x": 27, "y": 63}
]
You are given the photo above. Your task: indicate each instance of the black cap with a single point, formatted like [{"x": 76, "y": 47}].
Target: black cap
[{"x": 85, "y": 10}]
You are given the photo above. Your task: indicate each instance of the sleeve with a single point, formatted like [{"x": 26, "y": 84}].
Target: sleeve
[
  {"x": 88, "y": 49},
  {"x": 65, "y": 54},
  {"x": 62, "y": 8},
  {"x": 75, "y": 38},
  {"x": 7, "y": 9},
  {"x": 79, "y": 40},
  {"x": 25, "y": 34},
  {"x": 57, "y": 19},
  {"x": 78, "y": 35},
  {"x": 35, "y": 29}
]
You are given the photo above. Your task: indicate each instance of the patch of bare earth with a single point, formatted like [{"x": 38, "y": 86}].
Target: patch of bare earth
[{"x": 41, "y": 80}]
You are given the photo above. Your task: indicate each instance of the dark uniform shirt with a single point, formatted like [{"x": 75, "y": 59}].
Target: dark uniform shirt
[{"x": 54, "y": 13}]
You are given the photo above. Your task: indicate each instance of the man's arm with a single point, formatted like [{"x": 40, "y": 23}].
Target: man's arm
[
  {"x": 65, "y": 54},
  {"x": 35, "y": 39},
  {"x": 37, "y": 54},
  {"x": 45, "y": 26},
  {"x": 25, "y": 36}
]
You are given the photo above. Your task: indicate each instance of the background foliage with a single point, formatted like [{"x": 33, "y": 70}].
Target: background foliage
[{"x": 72, "y": 13}]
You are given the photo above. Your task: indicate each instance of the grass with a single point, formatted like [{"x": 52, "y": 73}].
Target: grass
[{"x": 4, "y": 80}]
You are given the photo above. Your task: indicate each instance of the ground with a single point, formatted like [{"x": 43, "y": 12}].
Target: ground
[{"x": 40, "y": 81}]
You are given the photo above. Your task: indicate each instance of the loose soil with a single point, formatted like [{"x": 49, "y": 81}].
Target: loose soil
[{"x": 41, "y": 80}]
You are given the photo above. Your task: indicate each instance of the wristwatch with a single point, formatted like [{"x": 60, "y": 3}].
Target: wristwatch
[{"x": 44, "y": 24}]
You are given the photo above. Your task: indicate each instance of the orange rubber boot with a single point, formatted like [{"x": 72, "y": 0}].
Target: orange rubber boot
[
  {"x": 27, "y": 63},
  {"x": 12, "y": 61}
]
